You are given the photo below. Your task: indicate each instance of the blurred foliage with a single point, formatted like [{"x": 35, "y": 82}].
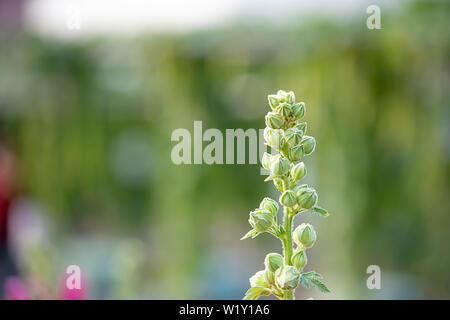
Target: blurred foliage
[{"x": 91, "y": 123}]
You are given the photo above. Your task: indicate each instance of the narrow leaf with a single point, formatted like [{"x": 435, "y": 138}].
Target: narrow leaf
[
  {"x": 320, "y": 211},
  {"x": 252, "y": 233},
  {"x": 270, "y": 177},
  {"x": 255, "y": 235},
  {"x": 312, "y": 274},
  {"x": 319, "y": 285}
]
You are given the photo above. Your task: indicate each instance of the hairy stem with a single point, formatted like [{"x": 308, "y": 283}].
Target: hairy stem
[
  {"x": 287, "y": 247},
  {"x": 287, "y": 241}
]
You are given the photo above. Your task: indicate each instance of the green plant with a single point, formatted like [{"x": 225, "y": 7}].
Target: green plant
[{"x": 286, "y": 134}]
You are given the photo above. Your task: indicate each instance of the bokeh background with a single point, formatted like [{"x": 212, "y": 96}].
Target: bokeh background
[{"x": 86, "y": 117}]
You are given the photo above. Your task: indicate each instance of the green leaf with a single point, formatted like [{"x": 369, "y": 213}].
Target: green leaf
[
  {"x": 304, "y": 281},
  {"x": 270, "y": 177},
  {"x": 320, "y": 211},
  {"x": 252, "y": 233},
  {"x": 256, "y": 234},
  {"x": 255, "y": 292},
  {"x": 319, "y": 285},
  {"x": 313, "y": 277},
  {"x": 312, "y": 274}
]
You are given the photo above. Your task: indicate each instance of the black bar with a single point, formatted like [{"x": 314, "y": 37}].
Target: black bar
[{"x": 222, "y": 309}]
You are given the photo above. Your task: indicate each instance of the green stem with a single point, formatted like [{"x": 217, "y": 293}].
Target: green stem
[
  {"x": 287, "y": 247},
  {"x": 288, "y": 295},
  {"x": 287, "y": 241}
]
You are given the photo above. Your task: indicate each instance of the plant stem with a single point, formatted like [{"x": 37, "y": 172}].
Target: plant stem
[
  {"x": 288, "y": 295},
  {"x": 287, "y": 241},
  {"x": 287, "y": 246}
]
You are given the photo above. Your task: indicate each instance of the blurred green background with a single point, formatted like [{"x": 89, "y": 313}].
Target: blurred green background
[{"x": 88, "y": 126}]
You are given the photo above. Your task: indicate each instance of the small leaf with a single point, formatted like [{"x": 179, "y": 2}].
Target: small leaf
[
  {"x": 255, "y": 235},
  {"x": 304, "y": 281},
  {"x": 255, "y": 292},
  {"x": 252, "y": 233},
  {"x": 319, "y": 285},
  {"x": 320, "y": 211},
  {"x": 270, "y": 177},
  {"x": 312, "y": 274}
]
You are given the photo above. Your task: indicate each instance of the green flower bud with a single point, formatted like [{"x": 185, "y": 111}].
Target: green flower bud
[
  {"x": 273, "y": 261},
  {"x": 304, "y": 235},
  {"x": 293, "y": 136},
  {"x": 290, "y": 97},
  {"x": 302, "y": 127},
  {"x": 269, "y": 276},
  {"x": 274, "y": 120},
  {"x": 274, "y": 101},
  {"x": 298, "y": 171},
  {"x": 266, "y": 160},
  {"x": 284, "y": 109},
  {"x": 298, "y": 110},
  {"x": 288, "y": 198},
  {"x": 287, "y": 277},
  {"x": 299, "y": 259},
  {"x": 261, "y": 220},
  {"x": 307, "y": 198},
  {"x": 280, "y": 166},
  {"x": 299, "y": 188},
  {"x": 282, "y": 95},
  {"x": 274, "y": 138},
  {"x": 257, "y": 280},
  {"x": 269, "y": 205},
  {"x": 308, "y": 143},
  {"x": 296, "y": 152}
]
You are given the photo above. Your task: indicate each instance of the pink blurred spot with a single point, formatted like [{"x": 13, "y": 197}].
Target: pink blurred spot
[
  {"x": 15, "y": 289},
  {"x": 74, "y": 294}
]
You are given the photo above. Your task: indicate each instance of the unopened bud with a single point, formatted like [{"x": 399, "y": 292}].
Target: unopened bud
[
  {"x": 273, "y": 261},
  {"x": 307, "y": 198},
  {"x": 302, "y": 127},
  {"x": 285, "y": 109},
  {"x": 282, "y": 95},
  {"x": 304, "y": 235},
  {"x": 274, "y": 101},
  {"x": 296, "y": 152},
  {"x": 308, "y": 143},
  {"x": 298, "y": 110},
  {"x": 299, "y": 259},
  {"x": 261, "y": 220},
  {"x": 293, "y": 136},
  {"x": 266, "y": 160},
  {"x": 298, "y": 171},
  {"x": 280, "y": 166},
  {"x": 287, "y": 277},
  {"x": 274, "y": 120},
  {"x": 290, "y": 97},
  {"x": 269, "y": 205},
  {"x": 288, "y": 198},
  {"x": 299, "y": 188},
  {"x": 274, "y": 138},
  {"x": 269, "y": 276}
]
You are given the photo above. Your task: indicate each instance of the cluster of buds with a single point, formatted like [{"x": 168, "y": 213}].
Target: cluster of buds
[{"x": 286, "y": 133}]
